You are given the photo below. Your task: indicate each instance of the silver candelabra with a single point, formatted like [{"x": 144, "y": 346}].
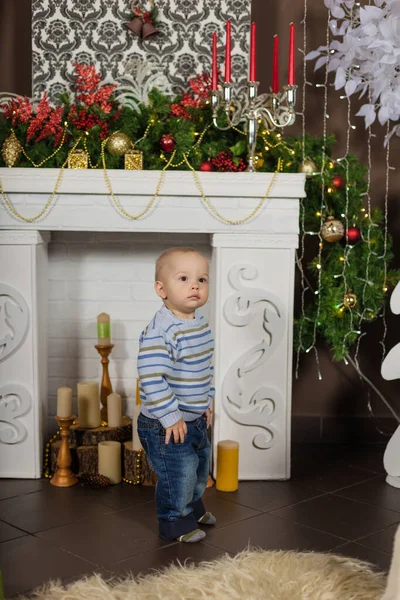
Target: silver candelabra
[{"x": 273, "y": 110}]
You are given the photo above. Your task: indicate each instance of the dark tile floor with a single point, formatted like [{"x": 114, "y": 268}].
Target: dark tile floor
[{"x": 337, "y": 500}]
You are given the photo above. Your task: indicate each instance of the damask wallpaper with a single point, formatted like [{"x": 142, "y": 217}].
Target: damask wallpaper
[{"x": 94, "y": 31}]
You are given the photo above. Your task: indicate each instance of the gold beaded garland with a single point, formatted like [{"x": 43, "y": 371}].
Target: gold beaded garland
[
  {"x": 46, "y": 470},
  {"x": 186, "y": 154},
  {"x": 137, "y": 481},
  {"x": 216, "y": 213},
  {"x": 44, "y": 161},
  {"x": 115, "y": 200},
  {"x": 48, "y": 204},
  {"x": 89, "y": 159}
]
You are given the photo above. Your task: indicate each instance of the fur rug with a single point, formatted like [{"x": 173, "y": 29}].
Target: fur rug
[{"x": 251, "y": 575}]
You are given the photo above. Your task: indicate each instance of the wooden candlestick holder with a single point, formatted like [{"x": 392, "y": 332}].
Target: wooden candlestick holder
[
  {"x": 106, "y": 387},
  {"x": 64, "y": 477}
]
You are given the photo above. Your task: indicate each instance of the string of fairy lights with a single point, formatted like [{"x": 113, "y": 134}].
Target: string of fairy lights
[
  {"x": 345, "y": 215},
  {"x": 305, "y": 285},
  {"x": 300, "y": 257},
  {"x": 366, "y": 313},
  {"x": 386, "y": 202},
  {"x": 322, "y": 202},
  {"x": 367, "y": 238},
  {"x": 348, "y": 247}
]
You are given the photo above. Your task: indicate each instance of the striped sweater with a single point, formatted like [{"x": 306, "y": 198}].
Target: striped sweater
[{"x": 174, "y": 366}]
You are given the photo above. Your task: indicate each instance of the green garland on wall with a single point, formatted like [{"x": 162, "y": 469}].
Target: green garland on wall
[
  {"x": 348, "y": 279},
  {"x": 330, "y": 281}
]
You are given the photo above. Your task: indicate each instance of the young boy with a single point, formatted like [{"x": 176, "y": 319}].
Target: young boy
[{"x": 175, "y": 371}]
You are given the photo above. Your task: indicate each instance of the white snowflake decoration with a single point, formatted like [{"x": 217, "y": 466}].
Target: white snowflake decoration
[
  {"x": 367, "y": 57},
  {"x": 139, "y": 79}
]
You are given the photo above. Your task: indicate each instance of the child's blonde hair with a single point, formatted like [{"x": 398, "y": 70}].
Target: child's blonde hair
[{"x": 166, "y": 255}]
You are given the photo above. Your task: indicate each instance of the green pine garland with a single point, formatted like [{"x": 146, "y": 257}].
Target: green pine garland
[
  {"x": 339, "y": 326},
  {"x": 364, "y": 272}
]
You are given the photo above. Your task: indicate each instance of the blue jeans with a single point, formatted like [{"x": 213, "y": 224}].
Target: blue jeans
[{"x": 182, "y": 471}]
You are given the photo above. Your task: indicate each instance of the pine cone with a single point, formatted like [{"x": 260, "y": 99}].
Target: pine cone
[{"x": 96, "y": 482}]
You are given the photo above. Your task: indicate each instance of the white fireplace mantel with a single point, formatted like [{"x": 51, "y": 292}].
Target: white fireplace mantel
[{"x": 252, "y": 296}]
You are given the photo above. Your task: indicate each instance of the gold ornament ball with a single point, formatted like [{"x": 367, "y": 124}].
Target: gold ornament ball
[
  {"x": 308, "y": 167},
  {"x": 11, "y": 150},
  {"x": 118, "y": 144},
  {"x": 350, "y": 300},
  {"x": 332, "y": 230},
  {"x": 258, "y": 160}
]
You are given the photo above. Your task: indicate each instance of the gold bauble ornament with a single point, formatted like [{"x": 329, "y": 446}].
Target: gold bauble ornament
[
  {"x": 350, "y": 300},
  {"x": 258, "y": 160},
  {"x": 11, "y": 150},
  {"x": 332, "y": 230},
  {"x": 118, "y": 144},
  {"x": 308, "y": 167}
]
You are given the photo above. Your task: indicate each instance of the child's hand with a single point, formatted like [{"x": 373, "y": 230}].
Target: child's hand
[
  {"x": 207, "y": 416},
  {"x": 179, "y": 430}
]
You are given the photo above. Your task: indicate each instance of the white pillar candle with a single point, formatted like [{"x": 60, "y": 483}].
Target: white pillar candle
[
  {"x": 110, "y": 461},
  {"x": 89, "y": 404},
  {"x": 114, "y": 411},
  {"x": 64, "y": 402},
  {"x": 136, "y": 445}
]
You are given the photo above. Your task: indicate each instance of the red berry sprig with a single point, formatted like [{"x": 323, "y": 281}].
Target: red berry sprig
[{"x": 224, "y": 162}]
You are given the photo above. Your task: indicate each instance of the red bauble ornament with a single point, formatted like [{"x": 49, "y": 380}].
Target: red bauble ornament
[
  {"x": 206, "y": 166},
  {"x": 338, "y": 182},
  {"x": 353, "y": 234},
  {"x": 167, "y": 143}
]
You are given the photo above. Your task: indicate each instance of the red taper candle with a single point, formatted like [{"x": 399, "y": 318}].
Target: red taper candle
[
  {"x": 291, "y": 56},
  {"x": 228, "y": 52},
  {"x": 214, "y": 72},
  {"x": 275, "y": 66},
  {"x": 253, "y": 43}
]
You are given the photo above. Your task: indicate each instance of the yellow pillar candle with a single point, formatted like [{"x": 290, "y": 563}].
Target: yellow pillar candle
[
  {"x": 136, "y": 445},
  {"x": 89, "y": 404},
  {"x": 114, "y": 411},
  {"x": 227, "y": 466},
  {"x": 110, "y": 461},
  {"x": 64, "y": 402},
  {"x": 138, "y": 400},
  {"x": 103, "y": 330}
]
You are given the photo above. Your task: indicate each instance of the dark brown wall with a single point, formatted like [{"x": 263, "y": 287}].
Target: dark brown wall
[
  {"x": 15, "y": 46},
  {"x": 340, "y": 391}
]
